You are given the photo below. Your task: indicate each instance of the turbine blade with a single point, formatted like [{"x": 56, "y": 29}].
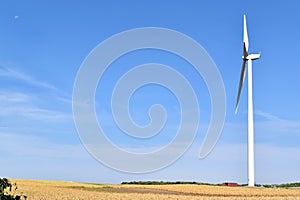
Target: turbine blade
[
  {"x": 246, "y": 40},
  {"x": 245, "y": 52},
  {"x": 242, "y": 78}
]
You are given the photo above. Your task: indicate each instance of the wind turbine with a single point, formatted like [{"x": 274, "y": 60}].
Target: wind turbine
[{"x": 248, "y": 58}]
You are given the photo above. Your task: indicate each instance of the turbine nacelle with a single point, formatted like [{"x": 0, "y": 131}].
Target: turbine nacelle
[{"x": 252, "y": 57}]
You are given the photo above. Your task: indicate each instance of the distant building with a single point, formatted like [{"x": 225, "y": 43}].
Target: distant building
[{"x": 229, "y": 184}]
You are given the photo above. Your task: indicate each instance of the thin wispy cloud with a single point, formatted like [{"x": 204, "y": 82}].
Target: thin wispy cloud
[
  {"x": 34, "y": 113},
  {"x": 275, "y": 124},
  {"x": 14, "y": 74},
  {"x": 65, "y": 100},
  {"x": 30, "y": 105},
  {"x": 266, "y": 115},
  {"x": 32, "y": 145},
  {"x": 26, "y": 106},
  {"x": 10, "y": 97}
]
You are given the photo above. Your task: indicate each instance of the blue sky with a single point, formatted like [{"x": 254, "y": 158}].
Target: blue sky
[{"x": 42, "y": 45}]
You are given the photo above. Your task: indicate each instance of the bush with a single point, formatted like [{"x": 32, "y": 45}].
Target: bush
[{"x": 4, "y": 185}]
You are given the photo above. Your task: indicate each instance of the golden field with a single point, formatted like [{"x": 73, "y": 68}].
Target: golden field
[{"x": 50, "y": 190}]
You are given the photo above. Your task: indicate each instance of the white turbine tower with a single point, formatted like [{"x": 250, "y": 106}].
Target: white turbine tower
[{"x": 248, "y": 57}]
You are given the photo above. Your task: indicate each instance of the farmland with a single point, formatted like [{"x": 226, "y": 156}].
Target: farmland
[{"x": 50, "y": 190}]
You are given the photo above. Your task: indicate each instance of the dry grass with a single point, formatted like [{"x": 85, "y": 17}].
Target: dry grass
[{"x": 50, "y": 190}]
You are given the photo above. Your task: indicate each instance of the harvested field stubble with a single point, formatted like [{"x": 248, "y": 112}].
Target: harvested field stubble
[{"x": 50, "y": 190}]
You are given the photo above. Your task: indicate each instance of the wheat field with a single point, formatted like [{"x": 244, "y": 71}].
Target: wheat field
[{"x": 50, "y": 190}]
